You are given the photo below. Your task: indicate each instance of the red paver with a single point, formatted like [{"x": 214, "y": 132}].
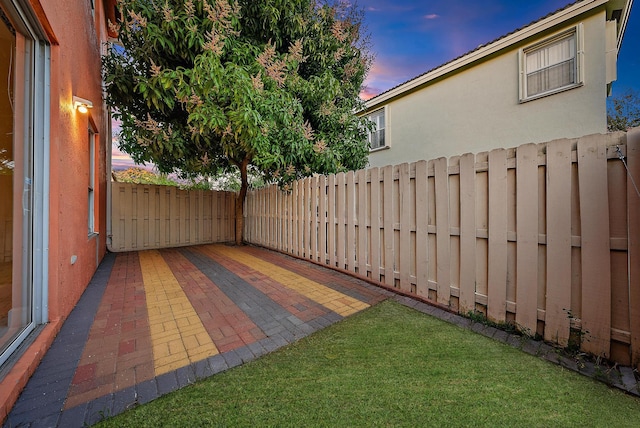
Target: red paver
[
  {"x": 118, "y": 336},
  {"x": 219, "y": 315}
]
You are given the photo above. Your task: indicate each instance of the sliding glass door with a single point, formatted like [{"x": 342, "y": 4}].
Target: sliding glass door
[{"x": 23, "y": 80}]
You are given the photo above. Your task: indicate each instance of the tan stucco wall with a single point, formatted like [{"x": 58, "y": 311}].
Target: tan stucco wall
[{"x": 478, "y": 109}]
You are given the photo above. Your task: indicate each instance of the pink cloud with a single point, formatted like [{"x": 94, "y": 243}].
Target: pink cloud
[{"x": 431, "y": 16}]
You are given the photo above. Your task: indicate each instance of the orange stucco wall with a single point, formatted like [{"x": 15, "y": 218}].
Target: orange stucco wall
[
  {"x": 75, "y": 70},
  {"x": 76, "y": 38}
]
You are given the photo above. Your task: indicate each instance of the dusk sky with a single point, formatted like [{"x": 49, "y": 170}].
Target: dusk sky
[{"x": 409, "y": 37}]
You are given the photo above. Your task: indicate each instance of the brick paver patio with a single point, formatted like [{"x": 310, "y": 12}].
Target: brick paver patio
[{"x": 153, "y": 321}]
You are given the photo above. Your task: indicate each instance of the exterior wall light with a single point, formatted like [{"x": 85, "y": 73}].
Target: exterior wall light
[{"x": 81, "y": 104}]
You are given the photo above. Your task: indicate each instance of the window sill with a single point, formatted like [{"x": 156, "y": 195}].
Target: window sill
[
  {"x": 379, "y": 149},
  {"x": 555, "y": 91}
]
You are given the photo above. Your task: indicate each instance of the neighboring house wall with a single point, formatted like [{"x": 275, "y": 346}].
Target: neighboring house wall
[
  {"x": 58, "y": 191},
  {"x": 477, "y": 107}
]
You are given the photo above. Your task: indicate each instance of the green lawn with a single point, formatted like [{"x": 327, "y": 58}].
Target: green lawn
[{"x": 392, "y": 366}]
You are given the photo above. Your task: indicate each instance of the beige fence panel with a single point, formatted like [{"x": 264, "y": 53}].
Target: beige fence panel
[
  {"x": 149, "y": 216},
  {"x": 633, "y": 162},
  {"x": 546, "y": 236}
]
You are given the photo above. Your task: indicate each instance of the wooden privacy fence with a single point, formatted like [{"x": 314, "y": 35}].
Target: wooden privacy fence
[
  {"x": 546, "y": 236},
  {"x": 148, "y": 216}
]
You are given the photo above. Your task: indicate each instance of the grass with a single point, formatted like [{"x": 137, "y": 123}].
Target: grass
[{"x": 391, "y": 366}]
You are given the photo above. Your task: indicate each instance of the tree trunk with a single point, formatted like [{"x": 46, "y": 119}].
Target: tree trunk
[{"x": 244, "y": 186}]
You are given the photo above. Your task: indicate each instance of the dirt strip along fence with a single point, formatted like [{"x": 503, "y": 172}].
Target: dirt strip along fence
[
  {"x": 545, "y": 236},
  {"x": 147, "y": 217}
]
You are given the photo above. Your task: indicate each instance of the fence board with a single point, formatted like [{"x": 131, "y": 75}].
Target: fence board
[
  {"x": 351, "y": 222},
  {"x": 596, "y": 260},
  {"x": 341, "y": 212},
  {"x": 297, "y": 221},
  {"x": 406, "y": 205},
  {"x": 375, "y": 250},
  {"x": 331, "y": 204},
  {"x": 313, "y": 253},
  {"x": 362, "y": 212},
  {"x": 633, "y": 201},
  {"x": 527, "y": 237},
  {"x": 163, "y": 216},
  {"x": 306, "y": 209},
  {"x": 467, "y": 233},
  {"x": 291, "y": 220},
  {"x": 443, "y": 239},
  {"x": 558, "y": 302},
  {"x": 422, "y": 230},
  {"x": 388, "y": 225},
  {"x": 497, "y": 285},
  {"x": 302, "y": 218},
  {"x": 322, "y": 223}
]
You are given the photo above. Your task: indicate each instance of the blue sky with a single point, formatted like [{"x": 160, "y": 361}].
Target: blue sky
[{"x": 409, "y": 37}]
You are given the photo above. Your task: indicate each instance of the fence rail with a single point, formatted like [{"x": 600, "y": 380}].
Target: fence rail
[
  {"x": 546, "y": 236},
  {"x": 149, "y": 216}
]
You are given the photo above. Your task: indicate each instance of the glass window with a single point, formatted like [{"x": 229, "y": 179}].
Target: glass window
[
  {"x": 376, "y": 136},
  {"x": 91, "y": 183},
  {"x": 551, "y": 66}
]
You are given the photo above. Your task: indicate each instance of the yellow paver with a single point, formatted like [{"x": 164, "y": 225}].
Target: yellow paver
[
  {"x": 177, "y": 334},
  {"x": 334, "y": 300}
]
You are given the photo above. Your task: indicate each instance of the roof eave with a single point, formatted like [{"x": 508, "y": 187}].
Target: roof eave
[{"x": 624, "y": 19}]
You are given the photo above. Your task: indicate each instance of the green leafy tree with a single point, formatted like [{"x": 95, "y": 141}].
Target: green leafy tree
[
  {"x": 623, "y": 111},
  {"x": 203, "y": 87}
]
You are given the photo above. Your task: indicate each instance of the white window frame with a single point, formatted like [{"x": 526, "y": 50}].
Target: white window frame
[
  {"x": 577, "y": 33},
  {"x": 385, "y": 130},
  {"x": 91, "y": 182}
]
